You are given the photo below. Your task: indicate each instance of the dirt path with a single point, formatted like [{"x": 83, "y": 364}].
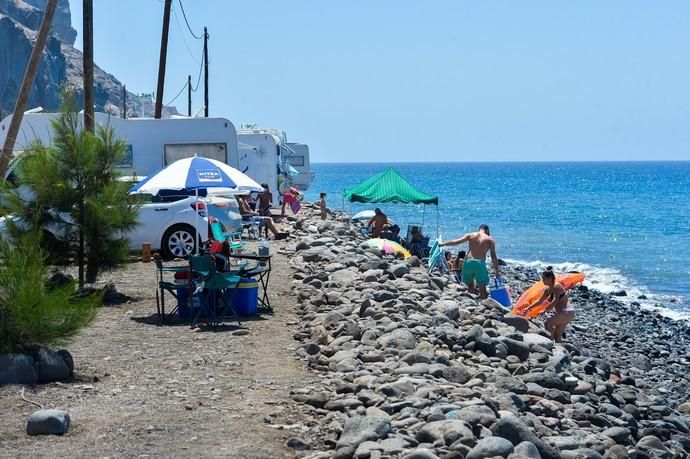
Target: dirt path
[{"x": 143, "y": 390}]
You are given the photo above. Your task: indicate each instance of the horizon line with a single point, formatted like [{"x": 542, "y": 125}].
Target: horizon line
[{"x": 512, "y": 161}]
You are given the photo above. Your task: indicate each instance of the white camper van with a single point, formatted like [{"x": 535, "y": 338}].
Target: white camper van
[
  {"x": 152, "y": 144},
  {"x": 260, "y": 156},
  {"x": 299, "y": 160}
]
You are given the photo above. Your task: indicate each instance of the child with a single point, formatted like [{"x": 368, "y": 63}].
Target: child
[
  {"x": 456, "y": 267},
  {"x": 322, "y": 205}
]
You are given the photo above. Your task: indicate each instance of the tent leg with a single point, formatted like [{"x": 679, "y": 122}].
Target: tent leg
[
  {"x": 423, "y": 214},
  {"x": 437, "y": 218}
]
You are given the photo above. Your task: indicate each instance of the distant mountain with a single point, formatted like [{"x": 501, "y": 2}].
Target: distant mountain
[{"x": 61, "y": 64}]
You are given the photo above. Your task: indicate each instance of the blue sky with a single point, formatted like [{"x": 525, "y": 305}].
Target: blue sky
[{"x": 402, "y": 80}]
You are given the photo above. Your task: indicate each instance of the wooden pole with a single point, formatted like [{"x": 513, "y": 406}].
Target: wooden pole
[
  {"x": 189, "y": 95},
  {"x": 27, "y": 83},
  {"x": 205, "y": 72},
  {"x": 87, "y": 18},
  {"x": 161, "y": 62}
]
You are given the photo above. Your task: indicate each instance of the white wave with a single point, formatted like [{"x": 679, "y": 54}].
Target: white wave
[{"x": 610, "y": 280}]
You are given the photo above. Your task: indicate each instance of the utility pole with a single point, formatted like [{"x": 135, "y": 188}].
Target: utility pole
[
  {"x": 161, "y": 62},
  {"x": 189, "y": 95},
  {"x": 205, "y": 72},
  {"x": 87, "y": 24},
  {"x": 124, "y": 102},
  {"x": 25, "y": 89}
]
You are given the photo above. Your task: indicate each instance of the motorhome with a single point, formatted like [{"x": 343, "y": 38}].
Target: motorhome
[
  {"x": 299, "y": 160},
  {"x": 152, "y": 144}
]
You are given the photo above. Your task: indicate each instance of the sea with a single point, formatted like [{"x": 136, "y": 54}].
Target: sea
[{"x": 626, "y": 225}]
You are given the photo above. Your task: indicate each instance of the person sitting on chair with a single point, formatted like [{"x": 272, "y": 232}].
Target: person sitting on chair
[
  {"x": 416, "y": 242},
  {"x": 252, "y": 216}
]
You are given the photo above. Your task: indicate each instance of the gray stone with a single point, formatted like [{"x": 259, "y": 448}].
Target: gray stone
[
  {"x": 399, "y": 269},
  {"x": 372, "y": 275},
  {"x": 652, "y": 446},
  {"x": 436, "y": 430},
  {"x": 616, "y": 452},
  {"x": 517, "y": 348},
  {"x": 546, "y": 379},
  {"x": 400, "y": 338},
  {"x": 474, "y": 414},
  {"x": 581, "y": 453},
  {"x": 519, "y": 322},
  {"x": 344, "y": 277},
  {"x": 414, "y": 261},
  {"x": 48, "y": 422},
  {"x": 298, "y": 444},
  {"x": 420, "y": 453},
  {"x": 359, "y": 429},
  {"x": 536, "y": 339},
  {"x": 69, "y": 361},
  {"x": 490, "y": 447},
  {"x": 512, "y": 428},
  {"x": 457, "y": 374},
  {"x": 313, "y": 254},
  {"x": 18, "y": 369},
  {"x": 526, "y": 449},
  {"x": 51, "y": 366},
  {"x": 315, "y": 399}
]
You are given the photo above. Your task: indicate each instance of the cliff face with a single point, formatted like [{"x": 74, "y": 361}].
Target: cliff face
[{"x": 61, "y": 63}]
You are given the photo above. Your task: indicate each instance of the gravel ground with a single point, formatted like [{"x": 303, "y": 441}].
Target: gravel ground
[{"x": 144, "y": 390}]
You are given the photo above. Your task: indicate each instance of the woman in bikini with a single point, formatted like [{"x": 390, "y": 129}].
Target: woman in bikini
[{"x": 558, "y": 298}]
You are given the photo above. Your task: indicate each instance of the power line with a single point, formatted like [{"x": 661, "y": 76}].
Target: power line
[
  {"x": 178, "y": 94},
  {"x": 198, "y": 78},
  {"x": 184, "y": 40},
  {"x": 187, "y": 22}
]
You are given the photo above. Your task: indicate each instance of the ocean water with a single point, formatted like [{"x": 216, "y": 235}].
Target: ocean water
[{"x": 625, "y": 224}]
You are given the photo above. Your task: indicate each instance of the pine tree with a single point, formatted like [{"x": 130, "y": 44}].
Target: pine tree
[{"x": 70, "y": 192}]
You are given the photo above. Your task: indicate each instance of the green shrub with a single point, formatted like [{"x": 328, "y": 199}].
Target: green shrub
[{"x": 30, "y": 313}]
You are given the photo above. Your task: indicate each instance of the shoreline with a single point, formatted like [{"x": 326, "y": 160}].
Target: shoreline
[{"x": 411, "y": 363}]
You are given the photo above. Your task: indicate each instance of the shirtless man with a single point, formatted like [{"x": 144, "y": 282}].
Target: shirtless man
[
  {"x": 378, "y": 221},
  {"x": 251, "y": 215},
  {"x": 474, "y": 267},
  {"x": 265, "y": 200}
]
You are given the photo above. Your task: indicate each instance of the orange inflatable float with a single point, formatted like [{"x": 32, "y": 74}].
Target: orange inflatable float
[{"x": 532, "y": 294}]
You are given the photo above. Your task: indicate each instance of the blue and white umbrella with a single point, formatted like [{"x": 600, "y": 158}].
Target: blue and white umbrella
[{"x": 196, "y": 173}]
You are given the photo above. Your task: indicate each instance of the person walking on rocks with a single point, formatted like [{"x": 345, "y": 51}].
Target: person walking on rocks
[
  {"x": 558, "y": 298},
  {"x": 474, "y": 268}
]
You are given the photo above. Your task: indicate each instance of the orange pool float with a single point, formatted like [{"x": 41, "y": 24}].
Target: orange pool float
[{"x": 532, "y": 294}]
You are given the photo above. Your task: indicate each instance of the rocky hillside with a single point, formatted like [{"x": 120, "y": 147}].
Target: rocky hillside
[{"x": 61, "y": 64}]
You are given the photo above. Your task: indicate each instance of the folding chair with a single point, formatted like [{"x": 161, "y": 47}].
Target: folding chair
[
  {"x": 235, "y": 240},
  {"x": 208, "y": 286},
  {"x": 167, "y": 286}
]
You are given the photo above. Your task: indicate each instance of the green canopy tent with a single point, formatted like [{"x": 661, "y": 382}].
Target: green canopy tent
[{"x": 390, "y": 186}]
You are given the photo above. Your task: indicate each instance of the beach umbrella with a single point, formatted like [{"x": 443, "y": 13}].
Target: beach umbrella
[
  {"x": 387, "y": 246},
  {"x": 532, "y": 294},
  {"x": 196, "y": 173},
  {"x": 364, "y": 215}
]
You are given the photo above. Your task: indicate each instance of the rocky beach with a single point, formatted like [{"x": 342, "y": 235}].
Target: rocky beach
[{"x": 412, "y": 365}]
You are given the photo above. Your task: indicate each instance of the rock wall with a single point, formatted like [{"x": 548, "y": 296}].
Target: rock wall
[{"x": 61, "y": 64}]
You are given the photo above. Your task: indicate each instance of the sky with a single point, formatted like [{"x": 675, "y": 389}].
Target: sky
[{"x": 442, "y": 80}]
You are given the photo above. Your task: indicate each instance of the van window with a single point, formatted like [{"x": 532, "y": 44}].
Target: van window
[
  {"x": 296, "y": 160},
  {"x": 175, "y": 151}
]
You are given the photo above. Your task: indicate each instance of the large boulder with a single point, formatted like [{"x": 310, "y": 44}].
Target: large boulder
[
  {"x": 344, "y": 277},
  {"x": 519, "y": 322},
  {"x": 513, "y": 429},
  {"x": 400, "y": 338},
  {"x": 18, "y": 369},
  {"x": 490, "y": 447},
  {"x": 436, "y": 430},
  {"x": 359, "y": 429}
]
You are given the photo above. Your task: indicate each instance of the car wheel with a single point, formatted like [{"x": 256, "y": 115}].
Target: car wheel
[{"x": 178, "y": 241}]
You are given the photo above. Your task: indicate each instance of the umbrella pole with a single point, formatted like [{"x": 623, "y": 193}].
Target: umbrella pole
[{"x": 196, "y": 221}]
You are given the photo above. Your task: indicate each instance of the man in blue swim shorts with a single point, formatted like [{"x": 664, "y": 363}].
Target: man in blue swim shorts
[{"x": 474, "y": 268}]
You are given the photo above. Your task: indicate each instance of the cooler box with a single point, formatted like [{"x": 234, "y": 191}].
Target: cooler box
[
  {"x": 245, "y": 297},
  {"x": 501, "y": 294}
]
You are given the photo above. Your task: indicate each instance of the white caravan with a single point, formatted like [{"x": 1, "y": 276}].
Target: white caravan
[
  {"x": 260, "y": 157},
  {"x": 299, "y": 159},
  {"x": 152, "y": 144}
]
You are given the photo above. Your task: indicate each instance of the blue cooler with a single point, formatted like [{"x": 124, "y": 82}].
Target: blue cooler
[
  {"x": 245, "y": 297},
  {"x": 183, "y": 309},
  {"x": 501, "y": 294}
]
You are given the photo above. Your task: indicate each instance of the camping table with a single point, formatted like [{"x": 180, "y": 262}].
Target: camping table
[{"x": 262, "y": 272}]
